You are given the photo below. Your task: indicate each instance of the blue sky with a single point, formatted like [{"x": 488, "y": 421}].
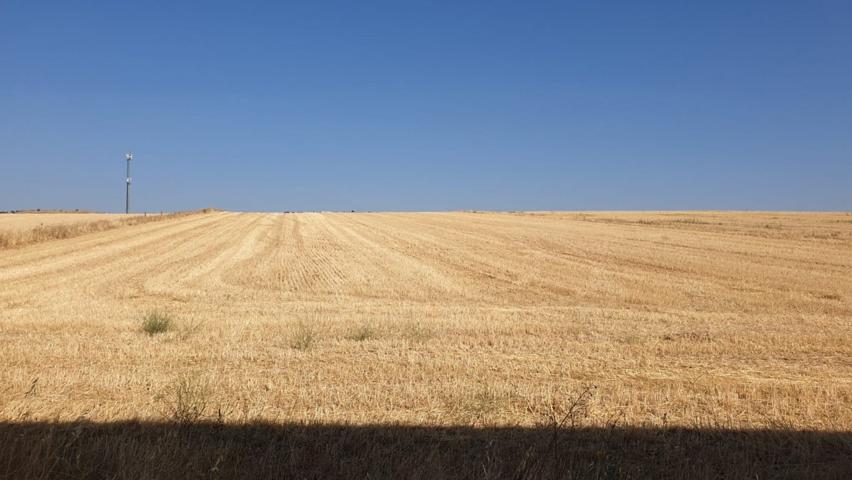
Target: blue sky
[{"x": 416, "y": 105}]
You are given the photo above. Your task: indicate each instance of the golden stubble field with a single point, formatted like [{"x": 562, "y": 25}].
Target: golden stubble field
[
  {"x": 21, "y": 229},
  {"x": 732, "y": 320},
  {"x": 27, "y": 221}
]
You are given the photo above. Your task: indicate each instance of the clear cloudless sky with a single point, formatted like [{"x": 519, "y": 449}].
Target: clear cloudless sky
[{"x": 427, "y": 105}]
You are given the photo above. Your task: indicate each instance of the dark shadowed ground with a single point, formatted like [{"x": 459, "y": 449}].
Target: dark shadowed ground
[{"x": 211, "y": 450}]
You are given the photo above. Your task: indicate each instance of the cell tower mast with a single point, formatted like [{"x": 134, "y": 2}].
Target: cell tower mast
[{"x": 129, "y": 157}]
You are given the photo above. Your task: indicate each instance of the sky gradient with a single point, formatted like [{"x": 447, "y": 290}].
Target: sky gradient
[{"x": 416, "y": 105}]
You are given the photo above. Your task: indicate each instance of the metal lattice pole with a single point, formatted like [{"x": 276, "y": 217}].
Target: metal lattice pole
[{"x": 129, "y": 157}]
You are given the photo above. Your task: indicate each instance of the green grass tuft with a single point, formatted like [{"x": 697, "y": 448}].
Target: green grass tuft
[{"x": 157, "y": 322}]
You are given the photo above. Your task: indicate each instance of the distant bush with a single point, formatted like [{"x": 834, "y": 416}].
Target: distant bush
[{"x": 156, "y": 322}]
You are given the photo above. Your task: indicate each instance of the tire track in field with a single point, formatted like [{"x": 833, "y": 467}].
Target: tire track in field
[
  {"x": 480, "y": 276},
  {"x": 158, "y": 273},
  {"x": 545, "y": 264},
  {"x": 338, "y": 263},
  {"x": 286, "y": 272},
  {"x": 66, "y": 258},
  {"x": 390, "y": 272},
  {"x": 615, "y": 261},
  {"x": 309, "y": 261},
  {"x": 265, "y": 260},
  {"x": 520, "y": 260},
  {"x": 201, "y": 272},
  {"x": 281, "y": 264},
  {"x": 111, "y": 273},
  {"x": 42, "y": 279},
  {"x": 177, "y": 267},
  {"x": 66, "y": 248},
  {"x": 631, "y": 256},
  {"x": 549, "y": 263},
  {"x": 323, "y": 261},
  {"x": 255, "y": 270},
  {"x": 316, "y": 256}
]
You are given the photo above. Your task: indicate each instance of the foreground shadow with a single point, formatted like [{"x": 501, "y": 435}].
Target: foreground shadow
[{"x": 210, "y": 450}]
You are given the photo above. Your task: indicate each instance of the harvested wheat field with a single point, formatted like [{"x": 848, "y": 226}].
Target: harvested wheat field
[
  {"x": 431, "y": 345},
  {"x": 21, "y": 229},
  {"x": 29, "y": 221}
]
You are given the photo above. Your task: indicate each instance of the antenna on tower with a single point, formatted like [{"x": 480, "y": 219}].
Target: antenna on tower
[{"x": 129, "y": 157}]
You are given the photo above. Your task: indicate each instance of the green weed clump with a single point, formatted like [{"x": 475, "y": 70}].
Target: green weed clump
[{"x": 157, "y": 322}]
